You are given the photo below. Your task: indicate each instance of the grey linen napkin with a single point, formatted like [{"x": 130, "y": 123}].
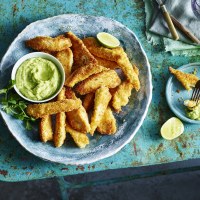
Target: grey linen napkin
[{"x": 182, "y": 10}]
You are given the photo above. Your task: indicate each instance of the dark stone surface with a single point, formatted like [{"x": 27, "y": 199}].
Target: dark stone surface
[{"x": 168, "y": 187}]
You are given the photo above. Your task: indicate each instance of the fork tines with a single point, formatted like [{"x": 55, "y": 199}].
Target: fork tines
[{"x": 196, "y": 92}]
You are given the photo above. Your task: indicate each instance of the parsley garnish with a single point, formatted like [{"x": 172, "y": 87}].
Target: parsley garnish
[{"x": 14, "y": 105}]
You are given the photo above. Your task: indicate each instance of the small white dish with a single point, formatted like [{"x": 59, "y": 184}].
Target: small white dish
[{"x": 39, "y": 55}]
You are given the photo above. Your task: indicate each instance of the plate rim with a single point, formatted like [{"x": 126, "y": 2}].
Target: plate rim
[
  {"x": 182, "y": 117},
  {"x": 148, "y": 101}
]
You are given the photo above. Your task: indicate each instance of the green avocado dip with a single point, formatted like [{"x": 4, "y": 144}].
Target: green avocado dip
[
  {"x": 38, "y": 78},
  {"x": 194, "y": 113}
]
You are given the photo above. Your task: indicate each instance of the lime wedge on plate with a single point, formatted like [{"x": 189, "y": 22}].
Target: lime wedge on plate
[
  {"x": 108, "y": 40},
  {"x": 172, "y": 128}
]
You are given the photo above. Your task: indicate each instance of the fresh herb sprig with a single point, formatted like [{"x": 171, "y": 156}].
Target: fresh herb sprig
[{"x": 14, "y": 105}]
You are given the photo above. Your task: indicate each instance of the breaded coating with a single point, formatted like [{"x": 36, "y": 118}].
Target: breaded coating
[
  {"x": 78, "y": 119},
  {"x": 83, "y": 72},
  {"x": 81, "y": 54},
  {"x": 100, "y": 51},
  {"x": 108, "y": 123},
  {"x": 60, "y": 132},
  {"x": 101, "y": 101},
  {"x": 88, "y": 101},
  {"x": 107, "y": 63},
  {"x": 106, "y": 78},
  {"x": 121, "y": 95},
  {"x": 116, "y": 54},
  {"x": 131, "y": 72},
  {"x": 66, "y": 59},
  {"x": 46, "y": 43},
  {"x": 187, "y": 80},
  {"x": 79, "y": 138},
  {"x": 45, "y": 129},
  {"x": 40, "y": 110}
]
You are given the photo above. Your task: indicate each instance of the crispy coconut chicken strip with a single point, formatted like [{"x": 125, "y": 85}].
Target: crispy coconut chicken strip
[
  {"x": 107, "y": 63},
  {"x": 79, "y": 138},
  {"x": 108, "y": 123},
  {"x": 106, "y": 78},
  {"x": 40, "y": 110},
  {"x": 117, "y": 55},
  {"x": 84, "y": 72},
  {"x": 49, "y": 44},
  {"x": 60, "y": 132},
  {"x": 187, "y": 80},
  {"x": 101, "y": 101},
  {"x": 78, "y": 119},
  {"x": 45, "y": 129},
  {"x": 121, "y": 95},
  {"x": 88, "y": 101},
  {"x": 66, "y": 59},
  {"x": 81, "y": 54}
]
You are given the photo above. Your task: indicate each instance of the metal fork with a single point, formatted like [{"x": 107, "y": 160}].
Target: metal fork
[{"x": 196, "y": 92}]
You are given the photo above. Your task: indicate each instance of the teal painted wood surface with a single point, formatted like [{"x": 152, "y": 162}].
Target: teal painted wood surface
[{"x": 147, "y": 147}]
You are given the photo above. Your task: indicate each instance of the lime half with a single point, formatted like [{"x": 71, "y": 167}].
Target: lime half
[
  {"x": 108, "y": 40},
  {"x": 172, "y": 128}
]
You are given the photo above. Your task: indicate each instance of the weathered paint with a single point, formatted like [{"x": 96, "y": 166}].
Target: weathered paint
[{"x": 147, "y": 148}]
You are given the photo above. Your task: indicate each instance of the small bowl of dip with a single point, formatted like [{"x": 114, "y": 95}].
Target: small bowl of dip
[{"x": 39, "y": 77}]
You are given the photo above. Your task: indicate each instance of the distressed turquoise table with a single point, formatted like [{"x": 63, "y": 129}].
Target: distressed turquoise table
[{"x": 147, "y": 147}]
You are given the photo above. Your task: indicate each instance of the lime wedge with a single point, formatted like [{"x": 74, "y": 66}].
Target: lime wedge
[
  {"x": 172, "y": 128},
  {"x": 108, "y": 40}
]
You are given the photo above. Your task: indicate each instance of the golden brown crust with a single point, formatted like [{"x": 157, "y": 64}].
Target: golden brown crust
[
  {"x": 102, "y": 98},
  {"x": 78, "y": 119},
  {"x": 79, "y": 138},
  {"x": 108, "y": 123},
  {"x": 121, "y": 95},
  {"x": 106, "y": 78},
  {"x": 98, "y": 50},
  {"x": 60, "y": 133},
  {"x": 82, "y": 73},
  {"x": 45, "y": 129},
  {"x": 116, "y": 54},
  {"x": 40, "y": 110},
  {"x": 81, "y": 54},
  {"x": 46, "y": 43},
  {"x": 187, "y": 80},
  {"x": 88, "y": 101},
  {"x": 107, "y": 63},
  {"x": 66, "y": 59}
]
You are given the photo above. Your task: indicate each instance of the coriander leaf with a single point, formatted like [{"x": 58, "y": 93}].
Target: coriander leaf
[{"x": 3, "y": 91}]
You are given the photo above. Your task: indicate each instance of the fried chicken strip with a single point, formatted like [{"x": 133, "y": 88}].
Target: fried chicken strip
[
  {"x": 81, "y": 54},
  {"x": 45, "y": 129},
  {"x": 108, "y": 123},
  {"x": 102, "y": 98},
  {"x": 106, "y": 78},
  {"x": 46, "y": 43},
  {"x": 78, "y": 119},
  {"x": 60, "y": 132},
  {"x": 88, "y": 101},
  {"x": 40, "y": 110},
  {"x": 66, "y": 59},
  {"x": 117, "y": 55},
  {"x": 121, "y": 95},
  {"x": 79, "y": 138},
  {"x": 187, "y": 80},
  {"x": 83, "y": 72},
  {"x": 107, "y": 63}
]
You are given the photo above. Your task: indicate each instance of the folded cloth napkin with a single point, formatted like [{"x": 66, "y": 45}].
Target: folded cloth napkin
[{"x": 182, "y": 10}]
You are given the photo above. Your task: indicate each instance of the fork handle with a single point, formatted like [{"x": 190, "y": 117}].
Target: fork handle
[{"x": 170, "y": 24}]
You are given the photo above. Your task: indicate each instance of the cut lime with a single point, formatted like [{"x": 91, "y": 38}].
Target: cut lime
[
  {"x": 108, "y": 40},
  {"x": 172, "y": 128}
]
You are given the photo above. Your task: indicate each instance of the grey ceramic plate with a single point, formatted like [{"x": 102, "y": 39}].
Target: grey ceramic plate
[{"x": 129, "y": 121}]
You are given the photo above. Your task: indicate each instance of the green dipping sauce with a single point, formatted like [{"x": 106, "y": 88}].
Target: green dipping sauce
[
  {"x": 38, "y": 79},
  {"x": 194, "y": 113}
]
